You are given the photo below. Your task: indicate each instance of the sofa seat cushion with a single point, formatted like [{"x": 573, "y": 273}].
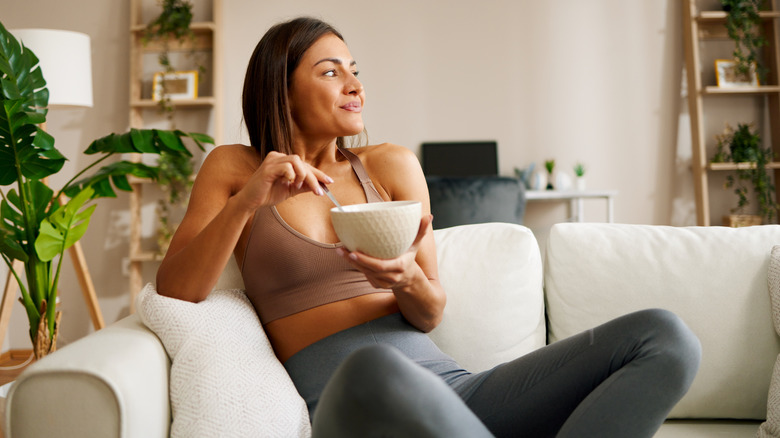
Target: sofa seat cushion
[
  {"x": 225, "y": 378},
  {"x": 714, "y": 278},
  {"x": 492, "y": 274}
]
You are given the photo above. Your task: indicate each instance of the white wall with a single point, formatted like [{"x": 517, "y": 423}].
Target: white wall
[{"x": 594, "y": 81}]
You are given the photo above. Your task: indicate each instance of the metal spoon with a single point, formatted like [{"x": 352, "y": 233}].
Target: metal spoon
[{"x": 330, "y": 195}]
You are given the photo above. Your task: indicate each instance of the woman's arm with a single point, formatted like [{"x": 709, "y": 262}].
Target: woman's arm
[
  {"x": 225, "y": 195},
  {"x": 413, "y": 277}
]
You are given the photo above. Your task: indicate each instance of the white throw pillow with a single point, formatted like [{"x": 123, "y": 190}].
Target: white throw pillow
[
  {"x": 225, "y": 379},
  {"x": 492, "y": 274},
  {"x": 771, "y": 427}
]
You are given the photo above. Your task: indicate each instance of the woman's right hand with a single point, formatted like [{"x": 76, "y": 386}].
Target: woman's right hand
[{"x": 280, "y": 177}]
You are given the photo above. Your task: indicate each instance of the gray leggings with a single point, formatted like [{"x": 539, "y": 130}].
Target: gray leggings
[{"x": 387, "y": 379}]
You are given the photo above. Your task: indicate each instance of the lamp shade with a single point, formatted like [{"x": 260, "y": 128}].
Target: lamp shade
[{"x": 66, "y": 62}]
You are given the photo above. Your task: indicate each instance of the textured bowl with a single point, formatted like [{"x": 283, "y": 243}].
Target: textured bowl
[{"x": 380, "y": 229}]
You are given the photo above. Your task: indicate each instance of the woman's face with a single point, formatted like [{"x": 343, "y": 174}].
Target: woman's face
[{"x": 326, "y": 98}]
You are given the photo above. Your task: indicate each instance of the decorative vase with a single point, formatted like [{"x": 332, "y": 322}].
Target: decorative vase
[
  {"x": 539, "y": 181},
  {"x": 563, "y": 181},
  {"x": 580, "y": 183}
]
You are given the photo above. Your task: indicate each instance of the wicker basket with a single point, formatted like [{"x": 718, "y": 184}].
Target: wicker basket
[{"x": 741, "y": 220}]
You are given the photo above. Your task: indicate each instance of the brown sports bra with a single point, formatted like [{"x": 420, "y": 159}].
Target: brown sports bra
[{"x": 286, "y": 272}]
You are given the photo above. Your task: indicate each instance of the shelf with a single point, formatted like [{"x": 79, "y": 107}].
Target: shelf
[
  {"x": 201, "y": 26},
  {"x": 735, "y": 166},
  {"x": 699, "y": 29},
  {"x": 149, "y": 103},
  {"x": 137, "y": 180},
  {"x": 146, "y": 256},
  {"x": 204, "y": 48},
  {"x": 720, "y": 16},
  {"x": 203, "y": 39},
  {"x": 714, "y": 90},
  {"x": 711, "y": 23}
]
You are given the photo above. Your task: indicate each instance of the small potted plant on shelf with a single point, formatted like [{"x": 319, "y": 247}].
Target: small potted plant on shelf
[
  {"x": 550, "y": 166},
  {"x": 579, "y": 173},
  {"x": 743, "y": 25},
  {"x": 743, "y": 146},
  {"x": 37, "y": 225}
]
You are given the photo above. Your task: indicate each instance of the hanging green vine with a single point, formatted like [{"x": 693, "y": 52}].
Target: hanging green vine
[{"x": 743, "y": 24}]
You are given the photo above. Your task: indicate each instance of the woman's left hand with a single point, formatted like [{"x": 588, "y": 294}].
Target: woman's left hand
[{"x": 397, "y": 273}]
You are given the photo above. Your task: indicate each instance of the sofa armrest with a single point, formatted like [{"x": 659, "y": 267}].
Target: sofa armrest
[{"x": 112, "y": 383}]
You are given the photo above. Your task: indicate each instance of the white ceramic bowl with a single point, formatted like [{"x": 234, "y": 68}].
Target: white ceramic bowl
[{"x": 380, "y": 229}]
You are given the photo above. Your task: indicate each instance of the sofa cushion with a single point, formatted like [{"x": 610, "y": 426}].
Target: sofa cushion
[
  {"x": 492, "y": 274},
  {"x": 714, "y": 278},
  {"x": 225, "y": 378},
  {"x": 771, "y": 427}
]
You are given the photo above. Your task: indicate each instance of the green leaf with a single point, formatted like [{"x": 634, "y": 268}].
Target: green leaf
[
  {"x": 64, "y": 227},
  {"x": 171, "y": 141},
  {"x": 9, "y": 243},
  {"x": 115, "y": 172}
]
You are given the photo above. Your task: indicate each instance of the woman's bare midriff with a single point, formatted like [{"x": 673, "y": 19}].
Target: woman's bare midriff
[{"x": 293, "y": 333}]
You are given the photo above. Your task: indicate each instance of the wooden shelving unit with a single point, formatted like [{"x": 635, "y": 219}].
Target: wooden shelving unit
[
  {"x": 710, "y": 25},
  {"x": 208, "y": 40}
]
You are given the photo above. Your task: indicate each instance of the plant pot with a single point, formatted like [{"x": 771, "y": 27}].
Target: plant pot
[
  {"x": 43, "y": 344},
  {"x": 580, "y": 183},
  {"x": 741, "y": 220}
]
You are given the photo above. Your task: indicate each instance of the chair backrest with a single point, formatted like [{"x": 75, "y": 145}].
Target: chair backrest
[{"x": 472, "y": 200}]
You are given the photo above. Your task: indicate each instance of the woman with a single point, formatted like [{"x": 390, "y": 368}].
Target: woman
[{"x": 349, "y": 328}]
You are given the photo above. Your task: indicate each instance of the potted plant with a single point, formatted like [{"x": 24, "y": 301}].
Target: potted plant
[
  {"x": 550, "y": 166},
  {"x": 579, "y": 173},
  {"x": 743, "y": 145},
  {"x": 743, "y": 27},
  {"x": 36, "y": 224}
]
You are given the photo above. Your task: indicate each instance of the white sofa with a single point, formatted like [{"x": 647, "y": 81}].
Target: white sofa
[{"x": 115, "y": 382}]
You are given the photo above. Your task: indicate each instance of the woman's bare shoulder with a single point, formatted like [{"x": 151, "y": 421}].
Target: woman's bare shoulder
[
  {"x": 388, "y": 157},
  {"x": 229, "y": 164},
  {"x": 394, "y": 168},
  {"x": 387, "y": 154},
  {"x": 232, "y": 154}
]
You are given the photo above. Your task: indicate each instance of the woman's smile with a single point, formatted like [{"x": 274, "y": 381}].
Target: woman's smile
[{"x": 354, "y": 106}]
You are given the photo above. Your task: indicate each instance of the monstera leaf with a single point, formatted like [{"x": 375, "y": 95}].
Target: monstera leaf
[{"x": 64, "y": 227}]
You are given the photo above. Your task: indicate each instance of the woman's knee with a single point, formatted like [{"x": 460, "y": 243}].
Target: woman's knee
[
  {"x": 372, "y": 371},
  {"x": 675, "y": 342}
]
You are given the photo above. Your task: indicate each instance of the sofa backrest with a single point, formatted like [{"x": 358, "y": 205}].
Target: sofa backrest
[{"x": 714, "y": 278}]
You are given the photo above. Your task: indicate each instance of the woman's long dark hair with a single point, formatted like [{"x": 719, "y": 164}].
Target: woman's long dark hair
[{"x": 265, "y": 103}]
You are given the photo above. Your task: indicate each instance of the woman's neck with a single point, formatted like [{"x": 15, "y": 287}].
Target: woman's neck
[{"x": 316, "y": 153}]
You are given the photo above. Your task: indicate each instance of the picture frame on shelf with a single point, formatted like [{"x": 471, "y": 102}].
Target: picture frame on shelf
[
  {"x": 727, "y": 77},
  {"x": 179, "y": 85}
]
